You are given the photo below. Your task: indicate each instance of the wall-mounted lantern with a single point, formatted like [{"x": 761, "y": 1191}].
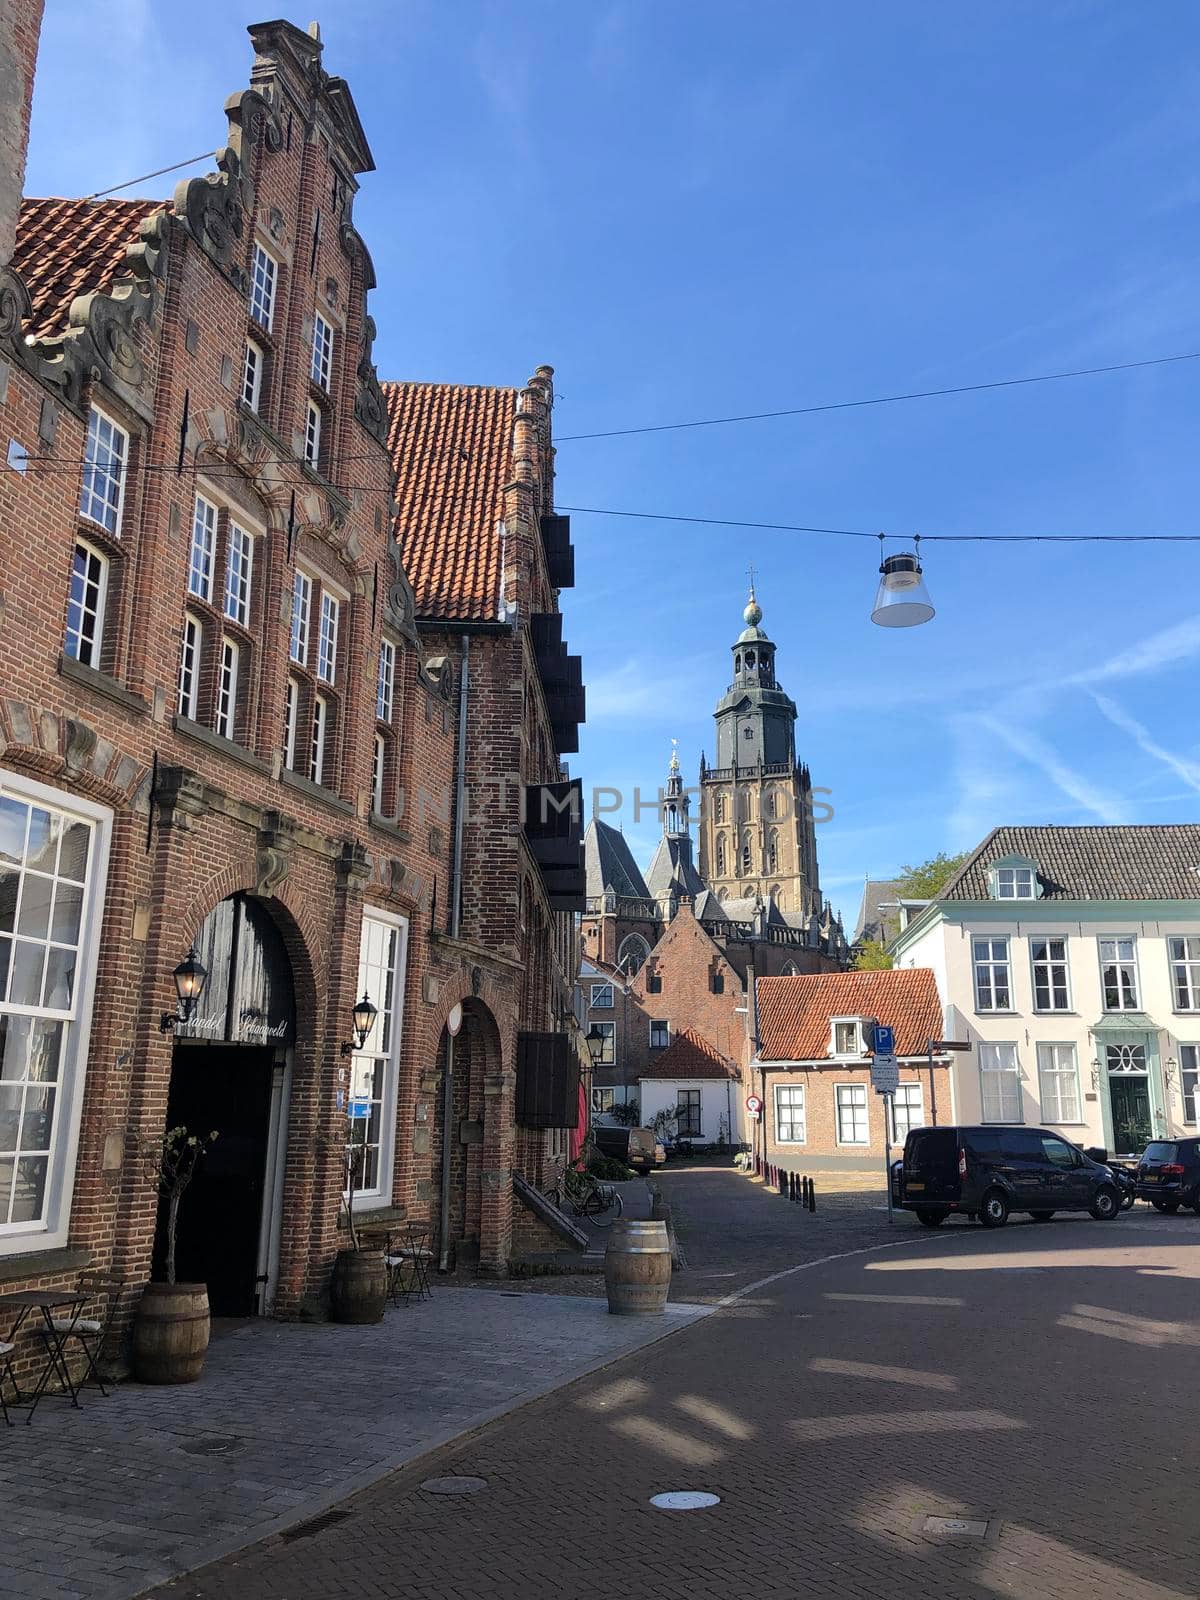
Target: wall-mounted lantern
[
  {"x": 364, "y": 1015},
  {"x": 190, "y": 977}
]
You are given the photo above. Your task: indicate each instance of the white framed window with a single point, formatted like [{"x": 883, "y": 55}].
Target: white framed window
[
  {"x": 606, "y": 1056},
  {"x": 264, "y": 277},
  {"x": 602, "y": 996},
  {"x": 189, "y": 666},
  {"x": 301, "y": 606},
  {"x": 1051, "y": 988},
  {"x": 660, "y": 1034},
  {"x": 1058, "y": 1083},
  {"x": 204, "y": 544},
  {"x": 1000, "y": 1083},
  {"x": 688, "y": 1114},
  {"x": 845, "y": 1037},
  {"x": 312, "y": 434},
  {"x": 851, "y": 1102},
  {"x": 374, "y": 1069},
  {"x": 252, "y": 373},
  {"x": 993, "y": 991},
  {"x": 908, "y": 1111},
  {"x": 239, "y": 568},
  {"x": 327, "y": 638},
  {"x": 789, "y": 1113},
  {"x": 102, "y": 498},
  {"x": 1184, "y": 953},
  {"x": 1189, "y": 1082},
  {"x": 385, "y": 681},
  {"x": 322, "y": 352},
  {"x": 85, "y": 604},
  {"x": 320, "y": 727},
  {"x": 1014, "y": 883},
  {"x": 378, "y": 767},
  {"x": 1118, "y": 973},
  {"x": 53, "y": 863},
  {"x": 227, "y": 690},
  {"x": 291, "y": 717},
  {"x": 603, "y": 1100}
]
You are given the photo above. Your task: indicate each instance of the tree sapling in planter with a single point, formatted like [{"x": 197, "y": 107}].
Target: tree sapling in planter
[{"x": 171, "y": 1329}]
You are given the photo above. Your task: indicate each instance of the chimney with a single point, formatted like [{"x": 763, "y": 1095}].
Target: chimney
[{"x": 20, "y": 29}]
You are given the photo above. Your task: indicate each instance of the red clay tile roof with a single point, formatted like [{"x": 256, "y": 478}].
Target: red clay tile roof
[
  {"x": 70, "y": 247},
  {"x": 690, "y": 1056},
  {"x": 452, "y": 448},
  {"x": 794, "y": 1013}
]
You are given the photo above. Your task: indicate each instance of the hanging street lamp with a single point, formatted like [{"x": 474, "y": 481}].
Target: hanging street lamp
[{"x": 902, "y": 600}]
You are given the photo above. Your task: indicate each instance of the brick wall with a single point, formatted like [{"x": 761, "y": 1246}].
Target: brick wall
[
  {"x": 20, "y": 29},
  {"x": 820, "y": 1114}
]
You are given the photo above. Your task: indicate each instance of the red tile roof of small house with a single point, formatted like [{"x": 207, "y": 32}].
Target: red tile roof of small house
[
  {"x": 690, "y": 1056},
  {"x": 794, "y": 1013},
  {"x": 66, "y": 248}
]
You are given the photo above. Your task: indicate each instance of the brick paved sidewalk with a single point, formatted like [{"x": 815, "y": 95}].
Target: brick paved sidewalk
[{"x": 102, "y": 1503}]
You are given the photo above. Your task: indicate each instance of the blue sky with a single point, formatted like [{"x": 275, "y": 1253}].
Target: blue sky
[{"x": 690, "y": 210}]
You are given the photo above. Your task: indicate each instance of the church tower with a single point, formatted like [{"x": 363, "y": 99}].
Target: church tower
[
  {"x": 756, "y": 810},
  {"x": 672, "y": 876}
]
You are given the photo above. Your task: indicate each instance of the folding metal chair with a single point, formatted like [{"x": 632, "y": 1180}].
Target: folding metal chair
[
  {"x": 6, "y": 1371},
  {"x": 408, "y": 1259},
  {"x": 90, "y": 1332}
]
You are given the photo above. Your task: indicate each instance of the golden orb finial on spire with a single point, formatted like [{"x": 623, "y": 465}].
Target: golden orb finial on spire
[{"x": 674, "y": 755}]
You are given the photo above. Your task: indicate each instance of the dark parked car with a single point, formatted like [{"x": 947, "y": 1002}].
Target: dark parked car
[
  {"x": 1168, "y": 1174},
  {"x": 989, "y": 1172},
  {"x": 633, "y": 1146}
]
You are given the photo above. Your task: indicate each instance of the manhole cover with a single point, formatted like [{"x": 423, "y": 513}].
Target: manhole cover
[
  {"x": 215, "y": 1445},
  {"x": 684, "y": 1500},
  {"x": 454, "y": 1485},
  {"x": 958, "y": 1527}
]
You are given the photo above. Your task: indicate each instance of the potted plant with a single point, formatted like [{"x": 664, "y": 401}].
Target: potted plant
[
  {"x": 171, "y": 1329},
  {"x": 358, "y": 1291}
]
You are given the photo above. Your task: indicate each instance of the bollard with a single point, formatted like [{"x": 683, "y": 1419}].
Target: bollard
[
  {"x": 812, "y": 1195},
  {"x": 783, "y": 1177},
  {"x": 792, "y": 1187}
]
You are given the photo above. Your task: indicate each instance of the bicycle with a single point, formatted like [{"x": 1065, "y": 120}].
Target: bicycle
[{"x": 585, "y": 1195}]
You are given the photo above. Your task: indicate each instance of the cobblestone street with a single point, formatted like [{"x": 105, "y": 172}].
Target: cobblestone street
[{"x": 1000, "y": 1378}]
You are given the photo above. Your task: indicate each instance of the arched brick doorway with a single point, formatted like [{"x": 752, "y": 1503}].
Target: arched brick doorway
[{"x": 476, "y": 1055}]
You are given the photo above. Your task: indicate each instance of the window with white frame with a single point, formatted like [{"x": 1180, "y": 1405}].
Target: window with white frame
[
  {"x": 1051, "y": 991},
  {"x": 1000, "y": 1083},
  {"x": 327, "y": 638},
  {"x": 85, "y": 604},
  {"x": 264, "y": 276},
  {"x": 1014, "y": 883},
  {"x": 102, "y": 497},
  {"x": 603, "y": 1100},
  {"x": 1189, "y": 1082},
  {"x": 846, "y": 1036},
  {"x": 606, "y": 1055},
  {"x": 312, "y": 434},
  {"x": 908, "y": 1111},
  {"x": 1118, "y": 973},
  {"x": 51, "y": 877},
  {"x": 378, "y": 768},
  {"x": 252, "y": 374},
  {"x": 239, "y": 567},
  {"x": 189, "y": 666},
  {"x": 204, "y": 545},
  {"x": 851, "y": 1103},
  {"x": 688, "y": 1123},
  {"x": 374, "y": 1067},
  {"x": 789, "y": 1113},
  {"x": 320, "y": 728},
  {"x": 322, "y": 352},
  {"x": 291, "y": 717},
  {"x": 1058, "y": 1083},
  {"x": 301, "y": 606},
  {"x": 602, "y": 996},
  {"x": 660, "y": 1035},
  {"x": 385, "y": 681},
  {"x": 993, "y": 992},
  {"x": 227, "y": 690},
  {"x": 1184, "y": 952}
]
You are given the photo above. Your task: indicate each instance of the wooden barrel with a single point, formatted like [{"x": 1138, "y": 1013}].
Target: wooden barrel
[
  {"x": 637, "y": 1268},
  {"x": 170, "y": 1333},
  {"x": 359, "y": 1289}
]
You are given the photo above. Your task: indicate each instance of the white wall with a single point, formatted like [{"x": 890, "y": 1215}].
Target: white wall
[{"x": 718, "y": 1099}]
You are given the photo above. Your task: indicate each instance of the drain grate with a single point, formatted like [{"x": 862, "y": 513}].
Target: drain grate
[
  {"x": 214, "y": 1445},
  {"x": 306, "y": 1530},
  {"x": 457, "y": 1484},
  {"x": 958, "y": 1528},
  {"x": 684, "y": 1500}
]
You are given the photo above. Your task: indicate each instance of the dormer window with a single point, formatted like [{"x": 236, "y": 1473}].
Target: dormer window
[
  {"x": 1014, "y": 879},
  {"x": 845, "y": 1038}
]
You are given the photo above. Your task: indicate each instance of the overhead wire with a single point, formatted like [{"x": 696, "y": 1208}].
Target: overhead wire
[{"x": 205, "y": 155}]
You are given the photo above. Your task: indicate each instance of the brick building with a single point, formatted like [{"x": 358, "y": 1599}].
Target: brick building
[
  {"x": 227, "y": 724},
  {"x": 812, "y": 1066}
]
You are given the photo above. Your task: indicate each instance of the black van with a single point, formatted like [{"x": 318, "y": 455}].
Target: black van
[
  {"x": 1168, "y": 1174},
  {"x": 988, "y": 1172}
]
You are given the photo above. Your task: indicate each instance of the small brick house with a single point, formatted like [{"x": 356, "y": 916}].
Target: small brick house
[
  {"x": 812, "y": 1066},
  {"x": 229, "y": 722}
]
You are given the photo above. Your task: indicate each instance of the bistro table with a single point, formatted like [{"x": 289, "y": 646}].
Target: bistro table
[{"x": 46, "y": 1302}]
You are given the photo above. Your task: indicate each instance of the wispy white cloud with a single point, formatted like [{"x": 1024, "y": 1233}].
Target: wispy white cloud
[
  {"x": 1189, "y": 771},
  {"x": 628, "y": 690},
  {"x": 1033, "y": 749},
  {"x": 1166, "y": 648}
]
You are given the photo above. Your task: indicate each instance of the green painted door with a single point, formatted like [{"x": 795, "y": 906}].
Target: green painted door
[{"x": 1132, "y": 1127}]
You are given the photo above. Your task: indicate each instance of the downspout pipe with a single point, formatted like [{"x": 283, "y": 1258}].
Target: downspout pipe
[{"x": 455, "y": 920}]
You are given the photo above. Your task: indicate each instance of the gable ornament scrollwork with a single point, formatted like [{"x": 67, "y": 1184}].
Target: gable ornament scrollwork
[{"x": 213, "y": 210}]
